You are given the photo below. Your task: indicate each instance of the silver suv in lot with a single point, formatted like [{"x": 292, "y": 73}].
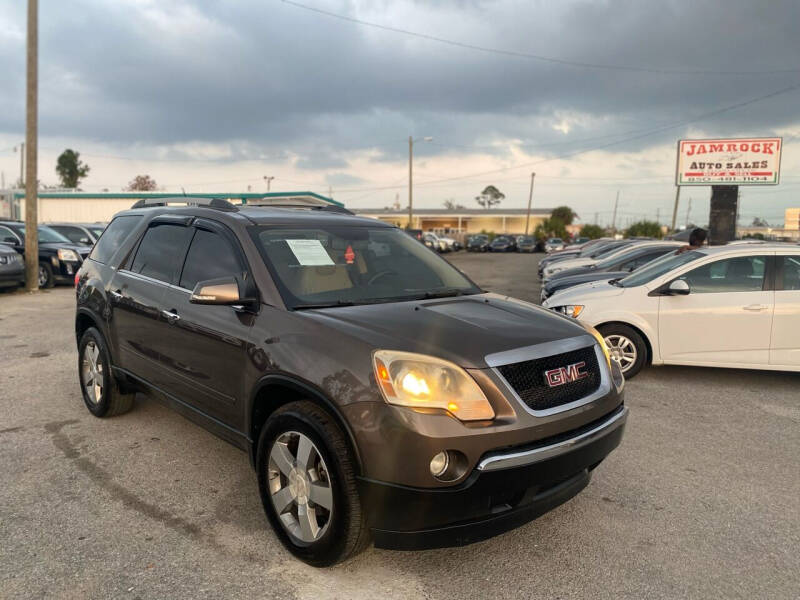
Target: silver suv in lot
[{"x": 379, "y": 393}]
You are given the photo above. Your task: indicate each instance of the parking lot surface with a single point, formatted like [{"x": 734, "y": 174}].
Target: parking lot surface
[{"x": 701, "y": 500}]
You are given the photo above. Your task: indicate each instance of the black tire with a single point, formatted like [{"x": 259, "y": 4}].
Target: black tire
[
  {"x": 347, "y": 533},
  {"x": 46, "y": 277},
  {"x": 110, "y": 401},
  {"x": 615, "y": 334}
]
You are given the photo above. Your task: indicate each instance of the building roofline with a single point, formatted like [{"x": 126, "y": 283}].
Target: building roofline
[{"x": 244, "y": 196}]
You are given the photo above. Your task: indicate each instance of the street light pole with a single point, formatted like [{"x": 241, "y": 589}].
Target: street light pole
[
  {"x": 268, "y": 179},
  {"x": 31, "y": 114},
  {"x": 411, "y": 177},
  {"x": 410, "y": 182},
  {"x": 530, "y": 199}
]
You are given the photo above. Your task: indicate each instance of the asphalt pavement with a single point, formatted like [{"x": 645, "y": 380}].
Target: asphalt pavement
[{"x": 701, "y": 500}]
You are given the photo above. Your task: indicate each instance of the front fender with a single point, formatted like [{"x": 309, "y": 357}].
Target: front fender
[{"x": 648, "y": 327}]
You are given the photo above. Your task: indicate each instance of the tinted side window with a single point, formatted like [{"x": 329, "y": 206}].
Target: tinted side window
[
  {"x": 73, "y": 234},
  {"x": 161, "y": 251},
  {"x": 210, "y": 256},
  {"x": 791, "y": 272},
  {"x": 113, "y": 237},
  {"x": 740, "y": 274}
]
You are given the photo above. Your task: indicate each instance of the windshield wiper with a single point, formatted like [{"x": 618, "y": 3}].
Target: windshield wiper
[
  {"x": 332, "y": 304},
  {"x": 615, "y": 282}
]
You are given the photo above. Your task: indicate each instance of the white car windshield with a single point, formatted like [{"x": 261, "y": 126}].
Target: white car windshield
[{"x": 658, "y": 267}]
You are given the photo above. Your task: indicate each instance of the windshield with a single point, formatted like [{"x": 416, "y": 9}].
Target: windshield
[
  {"x": 657, "y": 268},
  {"x": 555, "y": 241},
  {"x": 525, "y": 240},
  {"x": 501, "y": 239},
  {"x": 479, "y": 238},
  {"x": 45, "y": 234},
  {"x": 97, "y": 231},
  {"x": 615, "y": 257},
  {"x": 331, "y": 265}
]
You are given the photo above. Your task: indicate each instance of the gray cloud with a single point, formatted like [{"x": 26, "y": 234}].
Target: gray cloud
[{"x": 274, "y": 78}]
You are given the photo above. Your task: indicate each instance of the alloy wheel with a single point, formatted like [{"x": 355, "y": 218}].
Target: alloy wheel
[
  {"x": 42, "y": 278},
  {"x": 92, "y": 372},
  {"x": 622, "y": 350},
  {"x": 300, "y": 488}
]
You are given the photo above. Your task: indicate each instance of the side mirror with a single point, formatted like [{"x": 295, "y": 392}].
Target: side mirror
[
  {"x": 224, "y": 291},
  {"x": 85, "y": 240},
  {"x": 9, "y": 240},
  {"x": 679, "y": 287}
]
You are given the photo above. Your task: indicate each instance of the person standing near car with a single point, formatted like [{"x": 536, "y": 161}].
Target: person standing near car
[{"x": 696, "y": 240}]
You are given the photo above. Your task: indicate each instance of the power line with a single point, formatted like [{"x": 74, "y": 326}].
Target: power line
[{"x": 539, "y": 57}]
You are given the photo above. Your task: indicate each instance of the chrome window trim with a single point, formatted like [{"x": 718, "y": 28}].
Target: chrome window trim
[
  {"x": 148, "y": 279},
  {"x": 550, "y": 349},
  {"x": 529, "y": 457}
]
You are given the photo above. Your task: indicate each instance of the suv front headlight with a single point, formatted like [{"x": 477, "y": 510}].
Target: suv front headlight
[
  {"x": 569, "y": 310},
  {"x": 68, "y": 255},
  {"x": 422, "y": 381}
]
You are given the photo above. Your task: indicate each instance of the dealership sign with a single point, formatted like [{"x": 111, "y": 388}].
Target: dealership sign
[{"x": 746, "y": 161}]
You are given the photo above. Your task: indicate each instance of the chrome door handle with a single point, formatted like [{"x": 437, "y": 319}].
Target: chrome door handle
[
  {"x": 756, "y": 307},
  {"x": 170, "y": 315},
  {"x": 116, "y": 294}
]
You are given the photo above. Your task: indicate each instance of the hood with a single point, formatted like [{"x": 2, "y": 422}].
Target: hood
[
  {"x": 562, "y": 283},
  {"x": 584, "y": 292},
  {"x": 462, "y": 329},
  {"x": 571, "y": 263}
]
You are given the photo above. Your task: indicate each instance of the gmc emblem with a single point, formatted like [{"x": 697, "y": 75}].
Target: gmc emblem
[{"x": 568, "y": 374}]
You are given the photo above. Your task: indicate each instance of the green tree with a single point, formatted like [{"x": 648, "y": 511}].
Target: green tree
[
  {"x": 592, "y": 231},
  {"x": 645, "y": 229},
  {"x": 71, "y": 169},
  {"x": 564, "y": 214},
  {"x": 551, "y": 227},
  {"x": 142, "y": 183},
  {"x": 490, "y": 196}
]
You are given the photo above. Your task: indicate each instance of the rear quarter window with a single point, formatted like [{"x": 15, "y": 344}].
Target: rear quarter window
[{"x": 113, "y": 236}]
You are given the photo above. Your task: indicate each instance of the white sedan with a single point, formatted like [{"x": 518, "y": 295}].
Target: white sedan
[{"x": 725, "y": 306}]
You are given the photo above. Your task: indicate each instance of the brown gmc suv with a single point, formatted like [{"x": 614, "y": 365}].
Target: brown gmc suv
[{"x": 380, "y": 394}]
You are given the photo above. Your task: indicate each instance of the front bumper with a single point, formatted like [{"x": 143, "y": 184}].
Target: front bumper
[{"x": 507, "y": 489}]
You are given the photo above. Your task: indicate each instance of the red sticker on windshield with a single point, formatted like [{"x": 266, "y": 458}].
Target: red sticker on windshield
[{"x": 349, "y": 255}]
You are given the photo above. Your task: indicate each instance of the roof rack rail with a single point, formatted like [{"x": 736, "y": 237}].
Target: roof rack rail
[
  {"x": 217, "y": 203},
  {"x": 323, "y": 207}
]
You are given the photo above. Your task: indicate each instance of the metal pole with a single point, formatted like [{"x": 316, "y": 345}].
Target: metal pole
[
  {"x": 530, "y": 199},
  {"x": 614, "y": 218},
  {"x": 410, "y": 180},
  {"x": 31, "y": 199},
  {"x": 22, "y": 164},
  {"x": 688, "y": 210},
  {"x": 268, "y": 179},
  {"x": 658, "y": 216},
  {"x": 675, "y": 209}
]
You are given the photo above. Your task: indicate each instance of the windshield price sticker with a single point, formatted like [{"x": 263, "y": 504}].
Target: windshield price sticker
[{"x": 310, "y": 253}]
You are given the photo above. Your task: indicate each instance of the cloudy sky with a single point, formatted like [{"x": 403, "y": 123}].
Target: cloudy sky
[{"x": 212, "y": 95}]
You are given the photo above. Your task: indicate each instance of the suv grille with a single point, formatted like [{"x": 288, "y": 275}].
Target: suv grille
[{"x": 530, "y": 381}]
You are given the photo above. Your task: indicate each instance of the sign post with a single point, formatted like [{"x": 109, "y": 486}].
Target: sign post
[{"x": 725, "y": 164}]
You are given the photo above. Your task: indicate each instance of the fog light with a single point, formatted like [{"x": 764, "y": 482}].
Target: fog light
[{"x": 439, "y": 464}]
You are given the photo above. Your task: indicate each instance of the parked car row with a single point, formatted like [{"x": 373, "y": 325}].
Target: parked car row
[
  {"x": 723, "y": 306},
  {"x": 60, "y": 254},
  {"x": 503, "y": 243}
]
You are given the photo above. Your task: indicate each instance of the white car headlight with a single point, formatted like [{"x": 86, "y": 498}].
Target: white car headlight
[
  {"x": 68, "y": 255},
  {"x": 422, "y": 381},
  {"x": 569, "y": 310}
]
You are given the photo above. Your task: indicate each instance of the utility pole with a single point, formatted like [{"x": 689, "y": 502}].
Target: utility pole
[
  {"x": 410, "y": 182},
  {"x": 268, "y": 179},
  {"x": 31, "y": 114},
  {"x": 688, "y": 210},
  {"x": 596, "y": 215},
  {"x": 614, "y": 218},
  {"x": 530, "y": 199},
  {"x": 658, "y": 216},
  {"x": 675, "y": 209}
]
